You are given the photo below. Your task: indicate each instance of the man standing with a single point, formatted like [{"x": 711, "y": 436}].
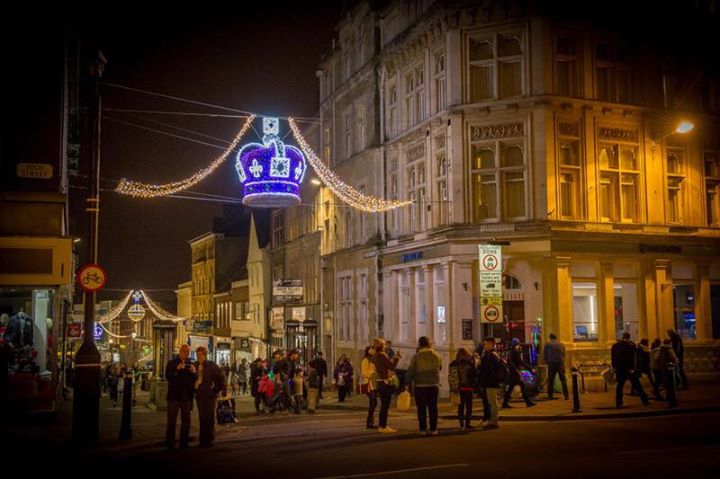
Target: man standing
[
  {"x": 320, "y": 366},
  {"x": 181, "y": 375},
  {"x": 209, "y": 383},
  {"x": 679, "y": 350},
  {"x": 554, "y": 354},
  {"x": 623, "y": 361},
  {"x": 491, "y": 373}
]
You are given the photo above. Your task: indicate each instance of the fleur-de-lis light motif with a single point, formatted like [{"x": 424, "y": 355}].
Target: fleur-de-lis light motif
[
  {"x": 256, "y": 168},
  {"x": 298, "y": 172}
]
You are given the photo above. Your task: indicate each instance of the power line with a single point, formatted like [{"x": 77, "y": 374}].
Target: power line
[
  {"x": 135, "y": 125},
  {"x": 178, "y": 113},
  {"x": 169, "y": 125}
]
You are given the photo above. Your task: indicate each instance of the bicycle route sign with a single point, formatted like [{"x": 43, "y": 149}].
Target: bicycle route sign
[
  {"x": 92, "y": 277},
  {"x": 490, "y": 281}
]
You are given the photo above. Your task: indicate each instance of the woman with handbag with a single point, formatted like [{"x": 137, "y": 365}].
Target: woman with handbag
[
  {"x": 368, "y": 384},
  {"x": 424, "y": 375},
  {"x": 385, "y": 368},
  {"x": 342, "y": 375}
]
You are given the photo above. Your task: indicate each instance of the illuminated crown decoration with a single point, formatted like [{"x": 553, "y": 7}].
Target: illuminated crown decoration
[{"x": 271, "y": 173}]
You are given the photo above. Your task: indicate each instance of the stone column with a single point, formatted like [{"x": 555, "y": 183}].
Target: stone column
[
  {"x": 606, "y": 305},
  {"x": 703, "y": 308},
  {"x": 665, "y": 309}
]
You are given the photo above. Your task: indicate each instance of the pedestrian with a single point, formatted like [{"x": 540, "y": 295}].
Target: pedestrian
[
  {"x": 342, "y": 375},
  {"x": 554, "y": 355},
  {"x": 679, "y": 349},
  {"x": 623, "y": 356},
  {"x": 492, "y": 372},
  {"x": 424, "y": 376},
  {"x": 298, "y": 383},
  {"x": 368, "y": 384},
  {"x": 313, "y": 385},
  {"x": 320, "y": 365},
  {"x": 516, "y": 365},
  {"x": 113, "y": 384},
  {"x": 385, "y": 368},
  {"x": 242, "y": 376},
  {"x": 210, "y": 382},
  {"x": 643, "y": 361},
  {"x": 462, "y": 379},
  {"x": 257, "y": 371},
  {"x": 180, "y": 374},
  {"x": 664, "y": 363},
  {"x": 281, "y": 370},
  {"x": 389, "y": 350}
]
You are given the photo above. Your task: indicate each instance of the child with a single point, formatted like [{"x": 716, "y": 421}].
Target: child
[
  {"x": 297, "y": 389},
  {"x": 266, "y": 389},
  {"x": 313, "y": 389}
]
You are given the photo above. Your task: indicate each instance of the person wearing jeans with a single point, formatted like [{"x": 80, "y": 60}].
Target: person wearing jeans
[
  {"x": 463, "y": 380},
  {"x": 385, "y": 368},
  {"x": 489, "y": 372},
  {"x": 424, "y": 375},
  {"x": 368, "y": 384}
]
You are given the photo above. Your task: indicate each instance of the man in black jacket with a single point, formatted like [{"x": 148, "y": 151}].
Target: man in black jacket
[
  {"x": 209, "y": 383},
  {"x": 490, "y": 375},
  {"x": 320, "y": 365},
  {"x": 516, "y": 365},
  {"x": 679, "y": 350},
  {"x": 623, "y": 355},
  {"x": 180, "y": 374}
]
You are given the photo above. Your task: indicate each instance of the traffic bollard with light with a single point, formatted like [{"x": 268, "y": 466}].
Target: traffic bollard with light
[{"x": 576, "y": 391}]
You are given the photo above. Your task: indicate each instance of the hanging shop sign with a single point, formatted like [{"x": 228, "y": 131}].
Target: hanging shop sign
[
  {"x": 92, "y": 277},
  {"x": 271, "y": 173},
  {"x": 490, "y": 280},
  {"x": 287, "y": 291},
  {"x": 40, "y": 171}
]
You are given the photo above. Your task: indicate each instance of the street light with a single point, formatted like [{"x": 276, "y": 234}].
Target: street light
[{"x": 683, "y": 126}]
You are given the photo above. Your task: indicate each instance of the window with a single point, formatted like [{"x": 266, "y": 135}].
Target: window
[
  {"x": 585, "y": 311},
  {"x": 415, "y": 96},
  {"x": 441, "y": 205},
  {"x": 495, "y": 66},
  {"x": 348, "y": 229},
  {"x": 278, "y": 229},
  {"x": 347, "y": 125},
  {"x": 392, "y": 111},
  {"x": 363, "y": 330},
  {"x": 441, "y": 311},
  {"x": 327, "y": 145},
  {"x": 675, "y": 171},
  {"x": 712, "y": 187},
  {"x": 345, "y": 308},
  {"x": 619, "y": 182},
  {"x": 347, "y": 58},
  {"x": 684, "y": 306},
  {"x": 404, "y": 307},
  {"x": 361, "y": 218},
  {"x": 361, "y": 45},
  {"x": 416, "y": 187},
  {"x": 498, "y": 180},
  {"x": 567, "y": 67},
  {"x": 361, "y": 126},
  {"x": 421, "y": 313},
  {"x": 625, "y": 309},
  {"x": 612, "y": 82},
  {"x": 440, "y": 89},
  {"x": 570, "y": 166}
]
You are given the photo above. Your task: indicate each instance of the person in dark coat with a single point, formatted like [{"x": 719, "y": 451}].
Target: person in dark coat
[
  {"x": 516, "y": 365},
  {"x": 679, "y": 349},
  {"x": 643, "y": 361},
  {"x": 463, "y": 381},
  {"x": 554, "y": 355},
  {"x": 343, "y": 377},
  {"x": 488, "y": 376},
  {"x": 256, "y": 373},
  {"x": 320, "y": 365},
  {"x": 180, "y": 374},
  {"x": 624, "y": 361},
  {"x": 209, "y": 383}
]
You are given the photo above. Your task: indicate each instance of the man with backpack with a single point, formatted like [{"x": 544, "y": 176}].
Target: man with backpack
[{"x": 492, "y": 372}]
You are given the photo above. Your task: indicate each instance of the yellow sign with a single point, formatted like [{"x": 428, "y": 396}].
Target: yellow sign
[{"x": 41, "y": 171}]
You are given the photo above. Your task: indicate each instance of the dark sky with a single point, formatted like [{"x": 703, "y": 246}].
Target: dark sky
[{"x": 249, "y": 55}]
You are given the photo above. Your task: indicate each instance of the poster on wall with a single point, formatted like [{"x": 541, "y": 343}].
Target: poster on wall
[
  {"x": 277, "y": 318},
  {"x": 490, "y": 282}
]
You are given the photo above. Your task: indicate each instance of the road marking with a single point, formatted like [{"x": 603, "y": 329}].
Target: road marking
[
  {"x": 669, "y": 449},
  {"x": 398, "y": 471}
]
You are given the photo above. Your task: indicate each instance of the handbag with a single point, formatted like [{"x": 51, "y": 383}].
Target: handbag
[{"x": 403, "y": 401}]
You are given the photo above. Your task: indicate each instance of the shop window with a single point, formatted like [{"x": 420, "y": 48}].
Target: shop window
[
  {"x": 440, "y": 308},
  {"x": 684, "y": 308},
  {"x": 625, "y": 308},
  {"x": 585, "y": 312}
]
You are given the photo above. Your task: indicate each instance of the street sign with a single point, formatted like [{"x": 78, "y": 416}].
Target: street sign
[
  {"x": 490, "y": 280},
  {"x": 74, "y": 330},
  {"x": 287, "y": 291},
  {"x": 92, "y": 277},
  {"x": 41, "y": 171}
]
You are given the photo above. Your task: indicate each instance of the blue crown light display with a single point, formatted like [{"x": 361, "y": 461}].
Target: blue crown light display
[{"x": 271, "y": 173}]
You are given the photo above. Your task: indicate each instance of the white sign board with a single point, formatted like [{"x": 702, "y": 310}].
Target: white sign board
[
  {"x": 277, "y": 318},
  {"x": 490, "y": 281},
  {"x": 298, "y": 314}
]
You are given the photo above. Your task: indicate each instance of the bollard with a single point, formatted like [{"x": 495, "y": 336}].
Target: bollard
[
  {"x": 576, "y": 390},
  {"x": 671, "y": 393},
  {"x": 125, "y": 424}
]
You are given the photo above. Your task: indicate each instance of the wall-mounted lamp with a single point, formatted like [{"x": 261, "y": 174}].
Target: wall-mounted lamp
[
  {"x": 464, "y": 285},
  {"x": 684, "y": 126}
]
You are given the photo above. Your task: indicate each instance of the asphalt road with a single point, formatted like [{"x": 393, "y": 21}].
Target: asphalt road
[{"x": 335, "y": 446}]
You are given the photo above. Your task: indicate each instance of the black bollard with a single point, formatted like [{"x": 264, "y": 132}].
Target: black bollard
[
  {"x": 576, "y": 390},
  {"x": 125, "y": 424},
  {"x": 671, "y": 393}
]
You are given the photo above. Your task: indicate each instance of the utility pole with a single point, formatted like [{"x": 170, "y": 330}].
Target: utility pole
[{"x": 86, "y": 400}]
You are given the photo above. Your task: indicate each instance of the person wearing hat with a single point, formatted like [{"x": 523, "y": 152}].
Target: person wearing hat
[{"x": 516, "y": 364}]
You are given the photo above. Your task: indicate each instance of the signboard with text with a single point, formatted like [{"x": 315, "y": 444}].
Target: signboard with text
[
  {"x": 490, "y": 281},
  {"x": 287, "y": 291}
]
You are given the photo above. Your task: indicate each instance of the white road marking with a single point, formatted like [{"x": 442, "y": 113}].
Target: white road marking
[{"x": 398, "y": 471}]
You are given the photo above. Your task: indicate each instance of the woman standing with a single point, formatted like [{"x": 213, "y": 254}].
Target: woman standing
[
  {"x": 242, "y": 375},
  {"x": 385, "y": 368},
  {"x": 424, "y": 375},
  {"x": 368, "y": 384},
  {"x": 463, "y": 380},
  {"x": 342, "y": 375}
]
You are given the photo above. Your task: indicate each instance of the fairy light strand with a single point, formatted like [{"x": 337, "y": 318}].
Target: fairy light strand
[
  {"x": 158, "y": 311},
  {"x": 115, "y": 312},
  {"x": 146, "y": 190},
  {"x": 345, "y": 192}
]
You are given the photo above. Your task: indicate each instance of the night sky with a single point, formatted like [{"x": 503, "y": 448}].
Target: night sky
[{"x": 257, "y": 56}]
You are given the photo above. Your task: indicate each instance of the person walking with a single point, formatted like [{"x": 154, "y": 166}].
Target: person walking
[
  {"x": 368, "y": 384},
  {"x": 492, "y": 372},
  {"x": 320, "y": 365},
  {"x": 424, "y": 376},
  {"x": 679, "y": 349},
  {"x": 516, "y": 365},
  {"x": 209, "y": 383},
  {"x": 342, "y": 375},
  {"x": 180, "y": 374},
  {"x": 242, "y": 376},
  {"x": 623, "y": 357},
  {"x": 462, "y": 379},
  {"x": 313, "y": 384},
  {"x": 554, "y": 355},
  {"x": 664, "y": 358},
  {"x": 643, "y": 361},
  {"x": 385, "y": 368}
]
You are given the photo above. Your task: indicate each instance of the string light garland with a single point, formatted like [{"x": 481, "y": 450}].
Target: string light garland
[
  {"x": 146, "y": 190},
  {"x": 158, "y": 311},
  {"x": 348, "y": 194},
  {"x": 115, "y": 312}
]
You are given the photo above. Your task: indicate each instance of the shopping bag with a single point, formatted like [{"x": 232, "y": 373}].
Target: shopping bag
[
  {"x": 225, "y": 411},
  {"x": 403, "y": 401}
]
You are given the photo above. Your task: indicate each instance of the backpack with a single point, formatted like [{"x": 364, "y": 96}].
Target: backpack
[{"x": 454, "y": 377}]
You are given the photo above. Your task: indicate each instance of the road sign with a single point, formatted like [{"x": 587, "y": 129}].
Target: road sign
[
  {"x": 92, "y": 277},
  {"x": 490, "y": 280}
]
